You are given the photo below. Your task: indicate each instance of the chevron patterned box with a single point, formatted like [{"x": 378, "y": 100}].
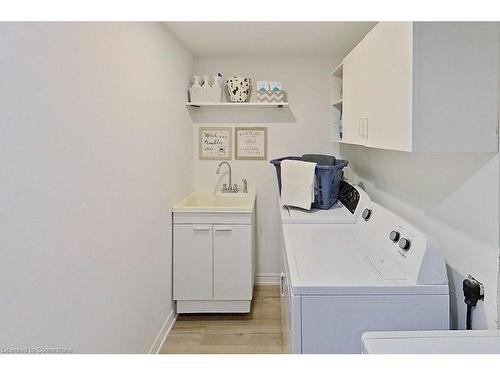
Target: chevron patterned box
[{"x": 270, "y": 96}]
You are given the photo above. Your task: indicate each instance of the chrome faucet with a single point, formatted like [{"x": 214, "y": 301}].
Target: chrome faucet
[{"x": 225, "y": 187}]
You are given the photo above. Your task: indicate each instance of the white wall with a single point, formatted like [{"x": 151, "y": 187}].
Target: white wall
[
  {"x": 300, "y": 129},
  {"x": 95, "y": 147},
  {"x": 451, "y": 197}
]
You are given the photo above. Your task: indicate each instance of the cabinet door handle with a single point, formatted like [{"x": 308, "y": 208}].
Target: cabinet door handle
[
  {"x": 199, "y": 228},
  {"x": 223, "y": 229}
]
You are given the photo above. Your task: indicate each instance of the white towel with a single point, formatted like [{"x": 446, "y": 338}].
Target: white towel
[{"x": 297, "y": 183}]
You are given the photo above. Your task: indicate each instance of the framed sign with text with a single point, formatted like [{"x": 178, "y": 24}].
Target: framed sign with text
[
  {"x": 215, "y": 143},
  {"x": 251, "y": 143}
]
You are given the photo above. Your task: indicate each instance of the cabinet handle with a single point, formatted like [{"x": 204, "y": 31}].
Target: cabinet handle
[
  {"x": 201, "y": 227},
  {"x": 223, "y": 229}
]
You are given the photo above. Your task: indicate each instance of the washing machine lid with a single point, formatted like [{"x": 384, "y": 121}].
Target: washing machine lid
[
  {"x": 326, "y": 259},
  {"x": 338, "y": 214},
  {"x": 432, "y": 342}
]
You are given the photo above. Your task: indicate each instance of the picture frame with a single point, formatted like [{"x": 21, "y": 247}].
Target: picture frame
[
  {"x": 250, "y": 143},
  {"x": 215, "y": 143}
]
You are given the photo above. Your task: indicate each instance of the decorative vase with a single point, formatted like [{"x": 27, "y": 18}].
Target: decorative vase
[{"x": 238, "y": 89}]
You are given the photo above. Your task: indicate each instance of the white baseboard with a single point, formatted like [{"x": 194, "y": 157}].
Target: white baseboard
[
  {"x": 267, "y": 279},
  {"x": 212, "y": 306},
  {"x": 164, "y": 331}
]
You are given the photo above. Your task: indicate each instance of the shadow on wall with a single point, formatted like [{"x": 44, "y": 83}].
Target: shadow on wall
[
  {"x": 424, "y": 179},
  {"x": 241, "y": 115},
  {"x": 460, "y": 190}
]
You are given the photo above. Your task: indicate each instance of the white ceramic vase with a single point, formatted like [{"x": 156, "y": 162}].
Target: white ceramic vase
[{"x": 238, "y": 89}]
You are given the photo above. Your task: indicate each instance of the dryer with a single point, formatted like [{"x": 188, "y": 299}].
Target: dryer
[{"x": 342, "y": 279}]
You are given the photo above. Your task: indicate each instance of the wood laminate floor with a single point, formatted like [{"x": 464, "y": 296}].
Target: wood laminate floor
[{"x": 256, "y": 332}]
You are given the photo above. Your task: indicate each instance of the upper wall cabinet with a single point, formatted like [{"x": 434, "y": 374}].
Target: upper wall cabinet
[{"x": 424, "y": 87}]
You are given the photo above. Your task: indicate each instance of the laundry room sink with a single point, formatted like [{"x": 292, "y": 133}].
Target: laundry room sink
[
  {"x": 214, "y": 252},
  {"x": 202, "y": 201}
]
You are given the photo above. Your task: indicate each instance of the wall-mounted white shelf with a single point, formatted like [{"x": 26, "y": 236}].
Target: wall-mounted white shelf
[{"x": 228, "y": 104}]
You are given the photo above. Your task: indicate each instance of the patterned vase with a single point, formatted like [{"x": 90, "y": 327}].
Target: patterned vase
[{"x": 238, "y": 89}]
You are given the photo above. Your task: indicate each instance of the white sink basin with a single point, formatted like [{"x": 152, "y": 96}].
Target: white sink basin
[{"x": 202, "y": 201}]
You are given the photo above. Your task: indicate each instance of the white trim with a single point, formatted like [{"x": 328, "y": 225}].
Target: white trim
[
  {"x": 164, "y": 331},
  {"x": 213, "y": 306},
  {"x": 267, "y": 279}
]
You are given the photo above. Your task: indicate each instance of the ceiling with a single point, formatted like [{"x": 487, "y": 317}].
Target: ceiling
[{"x": 269, "y": 38}]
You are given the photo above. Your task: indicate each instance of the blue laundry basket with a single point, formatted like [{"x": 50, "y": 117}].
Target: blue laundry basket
[{"x": 328, "y": 175}]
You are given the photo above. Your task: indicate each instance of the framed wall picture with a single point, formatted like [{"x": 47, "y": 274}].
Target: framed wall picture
[
  {"x": 251, "y": 143},
  {"x": 215, "y": 143}
]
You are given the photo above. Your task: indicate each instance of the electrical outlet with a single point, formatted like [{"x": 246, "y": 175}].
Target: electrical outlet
[{"x": 473, "y": 284}]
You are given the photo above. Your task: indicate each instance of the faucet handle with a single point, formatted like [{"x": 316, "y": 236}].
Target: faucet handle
[
  {"x": 235, "y": 188},
  {"x": 224, "y": 187}
]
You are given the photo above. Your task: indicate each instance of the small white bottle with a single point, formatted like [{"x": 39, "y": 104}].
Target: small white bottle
[
  {"x": 195, "y": 90},
  {"x": 216, "y": 90},
  {"x": 206, "y": 81},
  {"x": 216, "y": 81},
  {"x": 196, "y": 81}
]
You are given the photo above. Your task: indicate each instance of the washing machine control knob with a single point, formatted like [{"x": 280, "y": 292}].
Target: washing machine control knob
[
  {"x": 404, "y": 244},
  {"x": 366, "y": 214},
  {"x": 394, "y": 236}
]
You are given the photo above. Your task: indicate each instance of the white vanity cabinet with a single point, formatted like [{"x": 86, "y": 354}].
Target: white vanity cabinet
[
  {"x": 424, "y": 87},
  {"x": 213, "y": 261}
]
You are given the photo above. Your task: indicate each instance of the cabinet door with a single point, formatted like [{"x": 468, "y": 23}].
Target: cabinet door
[
  {"x": 390, "y": 86},
  {"x": 192, "y": 262},
  {"x": 232, "y": 262},
  {"x": 355, "y": 94}
]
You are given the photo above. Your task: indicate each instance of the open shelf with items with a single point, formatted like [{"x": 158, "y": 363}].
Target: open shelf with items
[
  {"x": 335, "y": 123},
  {"x": 336, "y": 103},
  {"x": 229, "y": 104},
  {"x": 336, "y": 78}
]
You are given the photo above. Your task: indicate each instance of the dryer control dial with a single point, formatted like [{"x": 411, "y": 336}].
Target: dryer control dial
[
  {"x": 366, "y": 214},
  {"x": 404, "y": 244},
  {"x": 394, "y": 236}
]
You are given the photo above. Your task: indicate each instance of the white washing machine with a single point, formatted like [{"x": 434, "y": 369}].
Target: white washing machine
[
  {"x": 432, "y": 342},
  {"x": 374, "y": 272}
]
